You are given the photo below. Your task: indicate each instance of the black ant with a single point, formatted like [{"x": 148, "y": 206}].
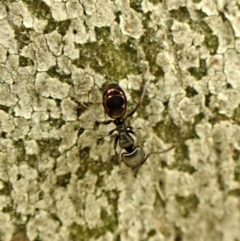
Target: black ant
[{"x": 114, "y": 102}]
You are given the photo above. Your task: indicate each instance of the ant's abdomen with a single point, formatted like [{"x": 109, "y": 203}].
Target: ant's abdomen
[{"x": 114, "y": 101}]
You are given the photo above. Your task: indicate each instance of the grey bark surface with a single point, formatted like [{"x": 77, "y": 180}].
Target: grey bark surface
[{"x": 59, "y": 178}]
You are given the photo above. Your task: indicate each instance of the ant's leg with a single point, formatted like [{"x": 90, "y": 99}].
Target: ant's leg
[
  {"x": 132, "y": 132},
  {"x": 106, "y": 122},
  {"x": 139, "y": 102},
  {"x": 110, "y": 132},
  {"x": 157, "y": 152},
  {"x": 129, "y": 128},
  {"x": 147, "y": 156},
  {"x": 115, "y": 146}
]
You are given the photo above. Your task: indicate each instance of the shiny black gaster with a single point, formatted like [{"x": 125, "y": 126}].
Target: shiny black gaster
[{"x": 114, "y": 101}]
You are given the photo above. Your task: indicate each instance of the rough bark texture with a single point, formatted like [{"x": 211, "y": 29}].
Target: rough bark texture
[{"x": 59, "y": 179}]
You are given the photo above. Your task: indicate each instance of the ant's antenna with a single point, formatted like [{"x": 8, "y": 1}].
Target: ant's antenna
[
  {"x": 94, "y": 113},
  {"x": 139, "y": 102},
  {"x": 106, "y": 122}
]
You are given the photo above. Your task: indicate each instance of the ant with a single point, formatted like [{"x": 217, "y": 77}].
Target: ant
[{"x": 114, "y": 102}]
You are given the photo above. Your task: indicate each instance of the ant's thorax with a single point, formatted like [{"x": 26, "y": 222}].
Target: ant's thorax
[{"x": 119, "y": 122}]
